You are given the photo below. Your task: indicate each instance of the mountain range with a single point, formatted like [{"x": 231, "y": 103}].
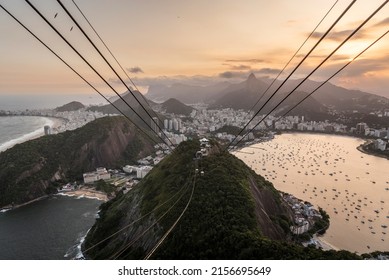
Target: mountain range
[
  {"x": 170, "y": 106},
  {"x": 245, "y": 94}
]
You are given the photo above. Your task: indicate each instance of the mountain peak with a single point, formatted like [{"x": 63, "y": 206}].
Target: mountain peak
[
  {"x": 251, "y": 77},
  {"x": 175, "y": 106},
  {"x": 72, "y": 106}
]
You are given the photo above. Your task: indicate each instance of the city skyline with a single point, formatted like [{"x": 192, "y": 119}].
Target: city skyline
[{"x": 192, "y": 42}]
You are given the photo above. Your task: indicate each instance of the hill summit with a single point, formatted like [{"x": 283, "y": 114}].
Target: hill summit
[
  {"x": 71, "y": 106},
  {"x": 173, "y": 106}
]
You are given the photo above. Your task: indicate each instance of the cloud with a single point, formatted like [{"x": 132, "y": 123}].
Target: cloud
[
  {"x": 245, "y": 74},
  {"x": 333, "y": 57},
  {"x": 363, "y": 66},
  {"x": 340, "y": 57},
  {"x": 250, "y": 61},
  {"x": 342, "y": 35},
  {"x": 196, "y": 80},
  {"x": 291, "y": 22},
  {"x": 231, "y": 74},
  {"x": 357, "y": 70},
  {"x": 135, "y": 70},
  {"x": 238, "y": 67},
  {"x": 268, "y": 71},
  {"x": 115, "y": 81},
  {"x": 384, "y": 22}
]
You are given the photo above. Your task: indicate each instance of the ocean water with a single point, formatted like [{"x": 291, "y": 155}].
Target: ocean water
[
  {"x": 19, "y": 129},
  {"x": 49, "y": 229},
  {"x": 328, "y": 170},
  {"x": 33, "y": 101}
]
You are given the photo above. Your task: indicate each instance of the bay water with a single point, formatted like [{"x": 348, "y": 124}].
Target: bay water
[{"x": 329, "y": 171}]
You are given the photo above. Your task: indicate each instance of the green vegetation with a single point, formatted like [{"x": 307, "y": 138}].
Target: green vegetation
[
  {"x": 103, "y": 186},
  {"x": 173, "y": 106},
  {"x": 72, "y": 106},
  {"x": 322, "y": 225},
  {"x": 229, "y": 129},
  {"x": 221, "y": 221},
  {"x": 39, "y": 166}
]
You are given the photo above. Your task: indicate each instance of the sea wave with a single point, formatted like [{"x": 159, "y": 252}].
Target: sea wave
[
  {"x": 28, "y": 136},
  {"x": 79, "y": 196},
  {"x": 66, "y": 194},
  {"x": 75, "y": 251}
]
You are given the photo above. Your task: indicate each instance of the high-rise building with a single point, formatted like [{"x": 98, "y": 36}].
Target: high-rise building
[
  {"x": 47, "y": 129},
  {"x": 175, "y": 124},
  {"x": 155, "y": 125},
  {"x": 166, "y": 124},
  {"x": 170, "y": 125},
  {"x": 361, "y": 128}
]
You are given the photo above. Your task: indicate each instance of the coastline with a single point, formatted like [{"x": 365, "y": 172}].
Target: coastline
[
  {"x": 51, "y": 121},
  {"x": 324, "y": 243},
  {"x": 324, "y": 240},
  {"x": 362, "y": 149},
  {"x": 13, "y": 207},
  {"x": 86, "y": 193},
  {"x": 83, "y": 193}
]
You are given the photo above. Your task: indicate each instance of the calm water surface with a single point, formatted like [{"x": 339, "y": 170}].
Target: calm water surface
[
  {"x": 330, "y": 172},
  {"x": 50, "y": 229}
]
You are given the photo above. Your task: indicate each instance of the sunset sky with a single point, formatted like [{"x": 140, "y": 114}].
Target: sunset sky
[{"x": 195, "y": 42}]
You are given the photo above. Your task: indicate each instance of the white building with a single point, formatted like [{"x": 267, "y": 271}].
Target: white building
[
  {"x": 142, "y": 171},
  {"x": 380, "y": 144},
  {"x": 301, "y": 228},
  {"x": 129, "y": 169},
  {"x": 101, "y": 173},
  {"x": 170, "y": 124},
  {"x": 175, "y": 124},
  {"x": 47, "y": 130}
]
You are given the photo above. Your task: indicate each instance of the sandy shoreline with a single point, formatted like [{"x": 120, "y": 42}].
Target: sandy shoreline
[
  {"x": 10, "y": 207},
  {"x": 324, "y": 244},
  {"x": 83, "y": 193},
  {"x": 52, "y": 122},
  {"x": 87, "y": 193},
  {"x": 362, "y": 149}
]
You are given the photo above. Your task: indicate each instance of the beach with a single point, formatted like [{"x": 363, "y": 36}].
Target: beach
[
  {"x": 330, "y": 172},
  {"x": 30, "y": 135},
  {"x": 86, "y": 193}
]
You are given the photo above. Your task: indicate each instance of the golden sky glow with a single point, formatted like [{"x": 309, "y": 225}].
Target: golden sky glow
[{"x": 193, "y": 41}]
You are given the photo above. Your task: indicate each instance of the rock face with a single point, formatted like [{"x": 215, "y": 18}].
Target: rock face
[{"x": 36, "y": 167}]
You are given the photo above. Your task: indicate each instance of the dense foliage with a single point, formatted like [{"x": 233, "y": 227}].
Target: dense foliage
[{"x": 30, "y": 169}]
